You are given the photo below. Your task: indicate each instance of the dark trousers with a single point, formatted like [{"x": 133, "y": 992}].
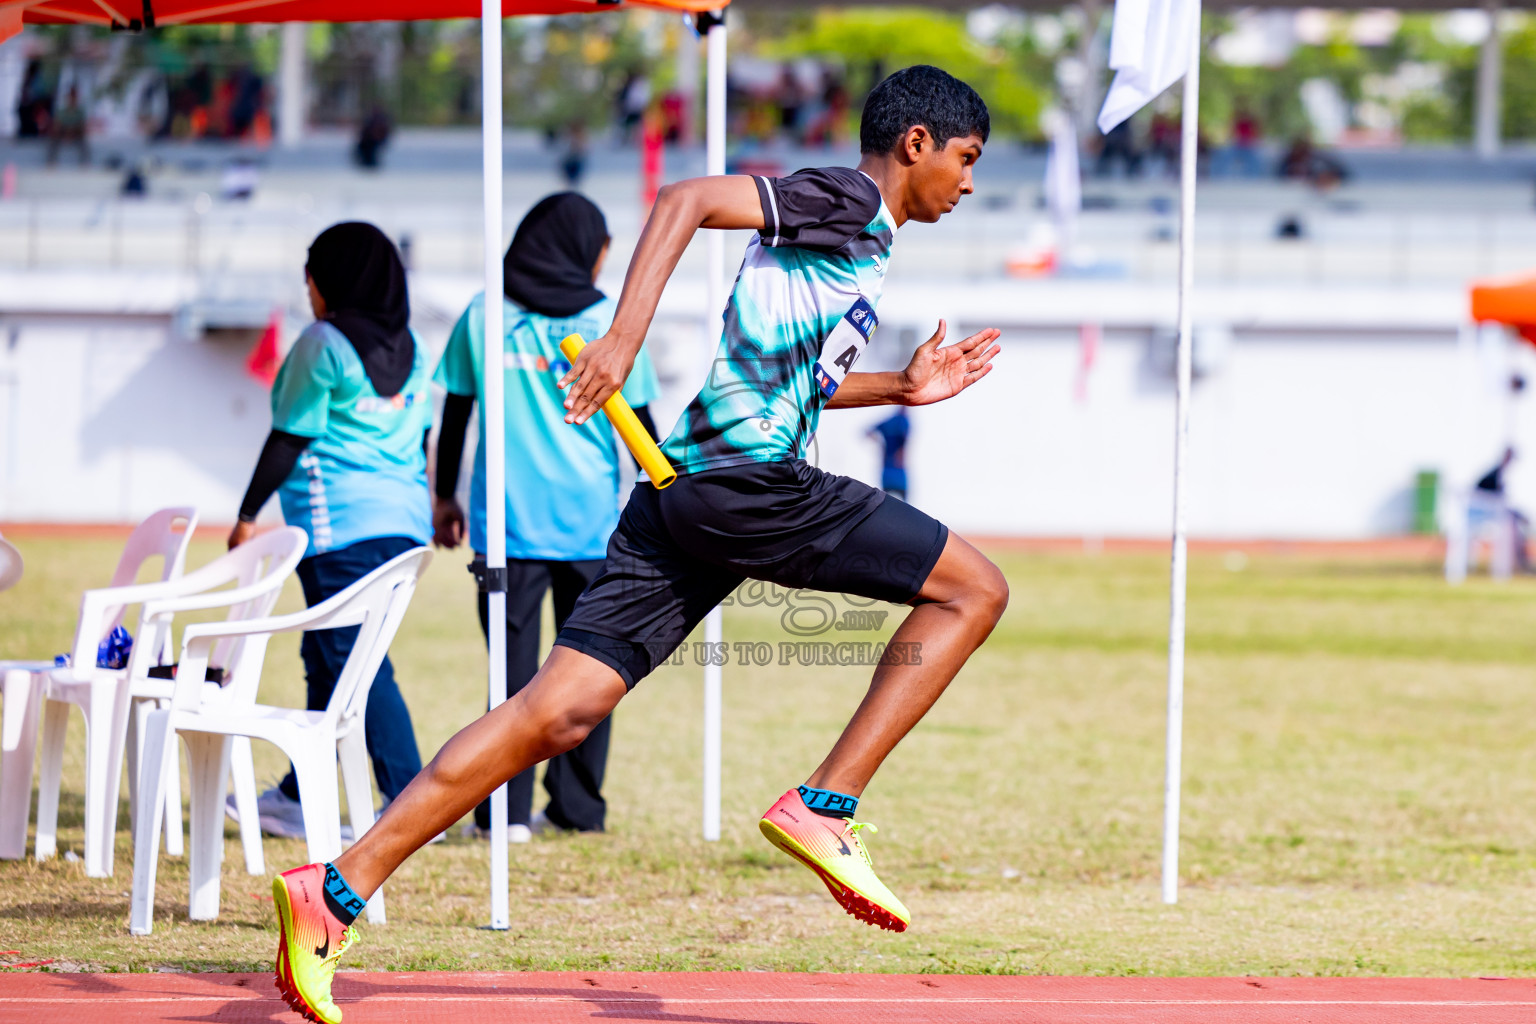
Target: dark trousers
[
  {"x": 387, "y": 723},
  {"x": 574, "y": 779}
]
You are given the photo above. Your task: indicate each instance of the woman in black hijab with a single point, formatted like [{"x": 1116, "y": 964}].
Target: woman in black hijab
[
  {"x": 347, "y": 458},
  {"x": 562, "y": 480}
]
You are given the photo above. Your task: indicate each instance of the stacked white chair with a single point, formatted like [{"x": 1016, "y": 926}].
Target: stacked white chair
[
  {"x": 211, "y": 721},
  {"x": 165, "y": 535},
  {"x": 258, "y": 569}
]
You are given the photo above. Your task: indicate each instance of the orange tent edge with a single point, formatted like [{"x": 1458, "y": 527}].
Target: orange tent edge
[{"x": 135, "y": 14}]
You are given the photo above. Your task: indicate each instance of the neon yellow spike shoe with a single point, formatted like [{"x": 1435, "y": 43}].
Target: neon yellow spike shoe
[
  {"x": 833, "y": 848},
  {"x": 310, "y": 943}
]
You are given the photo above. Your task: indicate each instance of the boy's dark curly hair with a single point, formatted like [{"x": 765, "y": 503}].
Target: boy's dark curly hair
[{"x": 921, "y": 94}]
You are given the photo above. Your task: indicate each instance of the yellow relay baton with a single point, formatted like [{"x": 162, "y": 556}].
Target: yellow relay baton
[{"x": 624, "y": 420}]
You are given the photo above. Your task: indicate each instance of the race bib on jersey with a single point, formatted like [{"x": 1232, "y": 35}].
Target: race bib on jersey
[{"x": 844, "y": 345}]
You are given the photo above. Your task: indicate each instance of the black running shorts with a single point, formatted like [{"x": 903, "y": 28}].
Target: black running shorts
[{"x": 678, "y": 552}]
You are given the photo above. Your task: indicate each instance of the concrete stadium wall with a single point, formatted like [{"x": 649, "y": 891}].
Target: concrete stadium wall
[{"x": 1302, "y": 431}]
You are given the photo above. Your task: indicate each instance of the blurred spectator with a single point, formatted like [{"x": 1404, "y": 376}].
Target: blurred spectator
[
  {"x": 1163, "y": 142},
  {"x": 1303, "y": 162},
  {"x": 69, "y": 128},
  {"x": 652, "y": 158},
  {"x": 573, "y": 165},
  {"x": 249, "y": 93},
  {"x": 831, "y": 124},
  {"x": 1492, "y": 484},
  {"x": 1240, "y": 156},
  {"x": 373, "y": 137},
  {"x": 36, "y": 106},
  {"x": 893, "y": 432},
  {"x": 1119, "y": 144},
  {"x": 790, "y": 100},
  {"x": 674, "y": 112},
  {"x": 634, "y": 96}
]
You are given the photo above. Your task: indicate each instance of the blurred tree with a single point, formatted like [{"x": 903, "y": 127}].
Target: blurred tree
[{"x": 1010, "y": 75}]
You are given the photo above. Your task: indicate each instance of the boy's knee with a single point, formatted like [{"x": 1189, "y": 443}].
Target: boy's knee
[
  {"x": 566, "y": 728},
  {"x": 990, "y": 592}
]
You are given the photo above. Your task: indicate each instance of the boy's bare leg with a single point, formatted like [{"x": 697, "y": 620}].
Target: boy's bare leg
[
  {"x": 960, "y": 602},
  {"x": 571, "y": 693}
]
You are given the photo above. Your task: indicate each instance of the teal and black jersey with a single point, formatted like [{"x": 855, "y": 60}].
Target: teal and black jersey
[{"x": 801, "y": 312}]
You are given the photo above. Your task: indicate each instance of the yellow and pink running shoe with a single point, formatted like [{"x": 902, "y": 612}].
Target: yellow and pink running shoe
[
  {"x": 833, "y": 848},
  {"x": 310, "y": 942}
]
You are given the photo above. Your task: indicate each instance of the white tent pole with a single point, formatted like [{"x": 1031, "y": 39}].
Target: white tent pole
[
  {"x": 1490, "y": 84},
  {"x": 714, "y": 300},
  {"x": 292, "y": 103},
  {"x": 1188, "y": 154},
  {"x": 493, "y": 411}
]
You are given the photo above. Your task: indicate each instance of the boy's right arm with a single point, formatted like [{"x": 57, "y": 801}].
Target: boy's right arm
[{"x": 726, "y": 202}]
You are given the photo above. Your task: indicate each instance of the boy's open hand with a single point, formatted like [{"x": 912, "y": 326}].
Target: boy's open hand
[
  {"x": 935, "y": 373},
  {"x": 598, "y": 372}
]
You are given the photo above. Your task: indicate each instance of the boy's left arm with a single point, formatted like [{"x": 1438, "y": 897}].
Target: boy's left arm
[{"x": 933, "y": 375}]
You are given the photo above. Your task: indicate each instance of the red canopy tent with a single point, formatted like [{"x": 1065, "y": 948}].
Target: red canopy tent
[
  {"x": 135, "y": 15},
  {"x": 141, "y": 15},
  {"x": 1510, "y": 300}
]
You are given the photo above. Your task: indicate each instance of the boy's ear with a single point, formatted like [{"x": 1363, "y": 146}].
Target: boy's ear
[{"x": 914, "y": 142}]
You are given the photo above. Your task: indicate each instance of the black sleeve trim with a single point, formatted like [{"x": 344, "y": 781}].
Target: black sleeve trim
[
  {"x": 278, "y": 457},
  {"x": 821, "y": 209},
  {"x": 450, "y": 443},
  {"x": 770, "y": 203}
]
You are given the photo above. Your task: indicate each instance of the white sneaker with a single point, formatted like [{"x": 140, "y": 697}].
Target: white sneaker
[{"x": 515, "y": 833}]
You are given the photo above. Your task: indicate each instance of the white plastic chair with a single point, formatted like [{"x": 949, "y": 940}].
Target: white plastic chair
[
  {"x": 165, "y": 535},
  {"x": 258, "y": 568},
  {"x": 314, "y": 741},
  {"x": 1469, "y": 515}
]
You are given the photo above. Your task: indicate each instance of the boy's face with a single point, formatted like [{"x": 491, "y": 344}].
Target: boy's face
[{"x": 939, "y": 175}]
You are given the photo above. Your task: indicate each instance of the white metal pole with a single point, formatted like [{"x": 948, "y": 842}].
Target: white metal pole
[
  {"x": 291, "y": 104},
  {"x": 688, "y": 84},
  {"x": 1490, "y": 85},
  {"x": 492, "y": 411},
  {"x": 1180, "y": 570},
  {"x": 714, "y": 630}
]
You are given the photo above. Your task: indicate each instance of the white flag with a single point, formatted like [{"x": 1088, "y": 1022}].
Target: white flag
[
  {"x": 1150, "y": 49},
  {"x": 1063, "y": 180}
]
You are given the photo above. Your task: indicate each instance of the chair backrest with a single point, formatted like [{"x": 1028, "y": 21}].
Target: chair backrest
[
  {"x": 258, "y": 568},
  {"x": 165, "y": 533},
  {"x": 271, "y": 557},
  {"x": 376, "y": 603},
  {"x": 10, "y": 565}
]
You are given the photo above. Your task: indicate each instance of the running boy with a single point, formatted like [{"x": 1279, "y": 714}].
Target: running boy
[{"x": 745, "y": 505}]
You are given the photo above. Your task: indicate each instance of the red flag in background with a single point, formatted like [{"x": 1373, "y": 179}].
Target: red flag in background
[
  {"x": 1088, "y": 337},
  {"x": 265, "y": 356}
]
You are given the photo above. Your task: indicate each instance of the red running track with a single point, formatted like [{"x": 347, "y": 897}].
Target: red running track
[{"x": 760, "y": 998}]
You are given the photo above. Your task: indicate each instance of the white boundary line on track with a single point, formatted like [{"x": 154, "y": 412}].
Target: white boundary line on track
[{"x": 503, "y": 998}]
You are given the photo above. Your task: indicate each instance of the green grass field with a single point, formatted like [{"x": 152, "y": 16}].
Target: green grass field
[{"x": 1360, "y": 793}]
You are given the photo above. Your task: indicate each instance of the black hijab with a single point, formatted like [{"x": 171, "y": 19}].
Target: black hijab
[
  {"x": 549, "y": 264},
  {"x": 360, "y": 277}
]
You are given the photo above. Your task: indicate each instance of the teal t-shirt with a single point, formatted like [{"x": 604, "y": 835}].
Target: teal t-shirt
[
  {"x": 800, "y": 314},
  {"x": 562, "y": 480},
  {"x": 364, "y": 474}
]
